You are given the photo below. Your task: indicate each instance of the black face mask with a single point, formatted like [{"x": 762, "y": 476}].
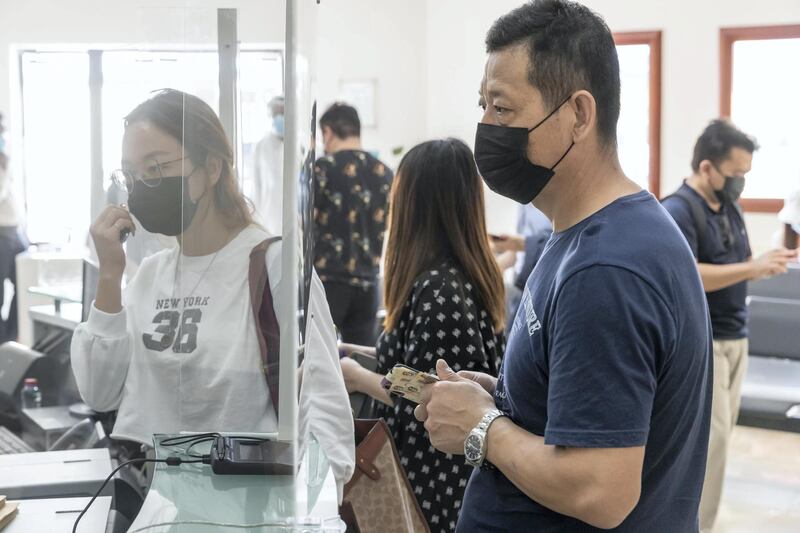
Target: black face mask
[
  {"x": 501, "y": 155},
  {"x": 732, "y": 189},
  {"x": 165, "y": 208}
]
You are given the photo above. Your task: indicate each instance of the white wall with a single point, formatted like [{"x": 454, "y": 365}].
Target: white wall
[
  {"x": 690, "y": 73},
  {"x": 426, "y": 56},
  {"x": 382, "y": 40},
  {"x": 357, "y": 39},
  {"x": 123, "y": 22}
]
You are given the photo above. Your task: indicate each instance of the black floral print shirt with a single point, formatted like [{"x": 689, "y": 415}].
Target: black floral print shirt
[
  {"x": 351, "y": 199},
  {"x": 443, "y": 318}
]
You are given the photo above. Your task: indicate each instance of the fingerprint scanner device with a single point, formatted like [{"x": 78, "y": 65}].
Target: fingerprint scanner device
[
  {"x": 42, "y": 426},
  {"x": 250, "y": 456}
]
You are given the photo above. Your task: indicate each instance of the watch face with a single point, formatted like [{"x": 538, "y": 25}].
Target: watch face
[{"x": 472, "y": 448}]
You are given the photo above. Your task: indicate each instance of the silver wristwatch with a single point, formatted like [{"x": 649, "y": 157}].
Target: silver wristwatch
[{"x": 475, "y": 444}]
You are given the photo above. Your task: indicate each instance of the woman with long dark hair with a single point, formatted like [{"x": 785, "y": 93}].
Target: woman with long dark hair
[{"x": 444, "y": 300}]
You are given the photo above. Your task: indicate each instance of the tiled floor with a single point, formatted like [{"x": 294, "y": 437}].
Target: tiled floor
[{"x": 762, "y": 483}]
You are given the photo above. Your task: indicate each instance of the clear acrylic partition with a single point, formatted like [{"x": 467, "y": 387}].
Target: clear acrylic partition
[
  {"x": 317, "y": 484},
  {"x": 183, "y": 131}
]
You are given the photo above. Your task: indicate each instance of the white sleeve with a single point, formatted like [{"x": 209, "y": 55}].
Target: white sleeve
[
  {"x": 101, "y": 353},
  {"x": 790, "y": 214},
  {"x": 324, "y": 406},
  {"x": 324, "y": 403}
]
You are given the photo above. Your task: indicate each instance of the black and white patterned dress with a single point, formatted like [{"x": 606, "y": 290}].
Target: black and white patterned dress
[{"x": 443, "y": 318}]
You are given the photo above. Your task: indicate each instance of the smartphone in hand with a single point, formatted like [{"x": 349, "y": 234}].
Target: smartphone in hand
[{"x": 407, "y": 382}]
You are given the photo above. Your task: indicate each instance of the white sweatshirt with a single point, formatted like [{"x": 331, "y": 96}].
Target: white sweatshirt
[{"x": 213, "y": 382}]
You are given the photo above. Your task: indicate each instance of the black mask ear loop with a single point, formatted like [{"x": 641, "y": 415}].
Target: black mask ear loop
[
  {"x": 189, "y": 196},
  {"x": 553, "y": 112},
  {"x": 189, "y": 175},
  {"x": 562, "y": 157}
]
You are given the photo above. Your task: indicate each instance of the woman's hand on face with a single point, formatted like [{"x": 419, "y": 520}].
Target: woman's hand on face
[{"x": 106, "y": 233}]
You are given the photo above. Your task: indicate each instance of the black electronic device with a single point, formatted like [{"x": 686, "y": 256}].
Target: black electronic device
[{"x": 252, "y": 456}]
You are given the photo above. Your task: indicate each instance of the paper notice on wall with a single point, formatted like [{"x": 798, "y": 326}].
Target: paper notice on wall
[{"x": 361, "y": 95}]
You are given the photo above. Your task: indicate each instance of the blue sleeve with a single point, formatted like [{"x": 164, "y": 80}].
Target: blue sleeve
[
  {"x": 534, "y": 246},
  {"x": 681, "y": 213},
  {"x": 521, "y": 220},
  {"x": 608, "y": 335}
]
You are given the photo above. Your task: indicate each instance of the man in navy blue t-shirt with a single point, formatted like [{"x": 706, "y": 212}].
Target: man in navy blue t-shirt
[
  {"x": 600, "y": 416},
  {"x": 707, "y": 212}
]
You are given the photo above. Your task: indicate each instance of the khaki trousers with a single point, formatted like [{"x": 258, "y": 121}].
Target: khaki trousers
[{"x": 730, "y": 364}]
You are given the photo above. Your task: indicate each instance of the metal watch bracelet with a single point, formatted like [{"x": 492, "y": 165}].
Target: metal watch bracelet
[{"x": 481, "y": 431}]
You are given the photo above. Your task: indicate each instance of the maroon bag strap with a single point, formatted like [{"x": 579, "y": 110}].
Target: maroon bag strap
[{"x": 267, "y": 329}]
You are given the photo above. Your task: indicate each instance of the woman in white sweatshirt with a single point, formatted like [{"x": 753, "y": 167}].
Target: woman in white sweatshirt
[{"x": 180, "y": 348}]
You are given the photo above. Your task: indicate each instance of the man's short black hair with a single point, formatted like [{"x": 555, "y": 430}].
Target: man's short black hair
[
  {"x": 343, "y": 120},
  {"x": 570, "y": 48},
  {"x": 717, "y": 140}
]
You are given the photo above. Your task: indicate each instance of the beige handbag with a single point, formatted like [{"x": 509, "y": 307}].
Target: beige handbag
[{"x": 378, "y": 498}]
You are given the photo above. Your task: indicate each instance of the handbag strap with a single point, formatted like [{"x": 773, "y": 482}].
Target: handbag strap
[
  {"x": 371, "y": 436},
  {"x": 267, "y": 330}
]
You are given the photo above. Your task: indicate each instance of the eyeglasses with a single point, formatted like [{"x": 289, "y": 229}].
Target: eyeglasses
[{"x": 151, "y": 175}]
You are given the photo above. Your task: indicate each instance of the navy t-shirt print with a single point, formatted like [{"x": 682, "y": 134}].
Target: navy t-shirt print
[{"x": 611, "y": 347}]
